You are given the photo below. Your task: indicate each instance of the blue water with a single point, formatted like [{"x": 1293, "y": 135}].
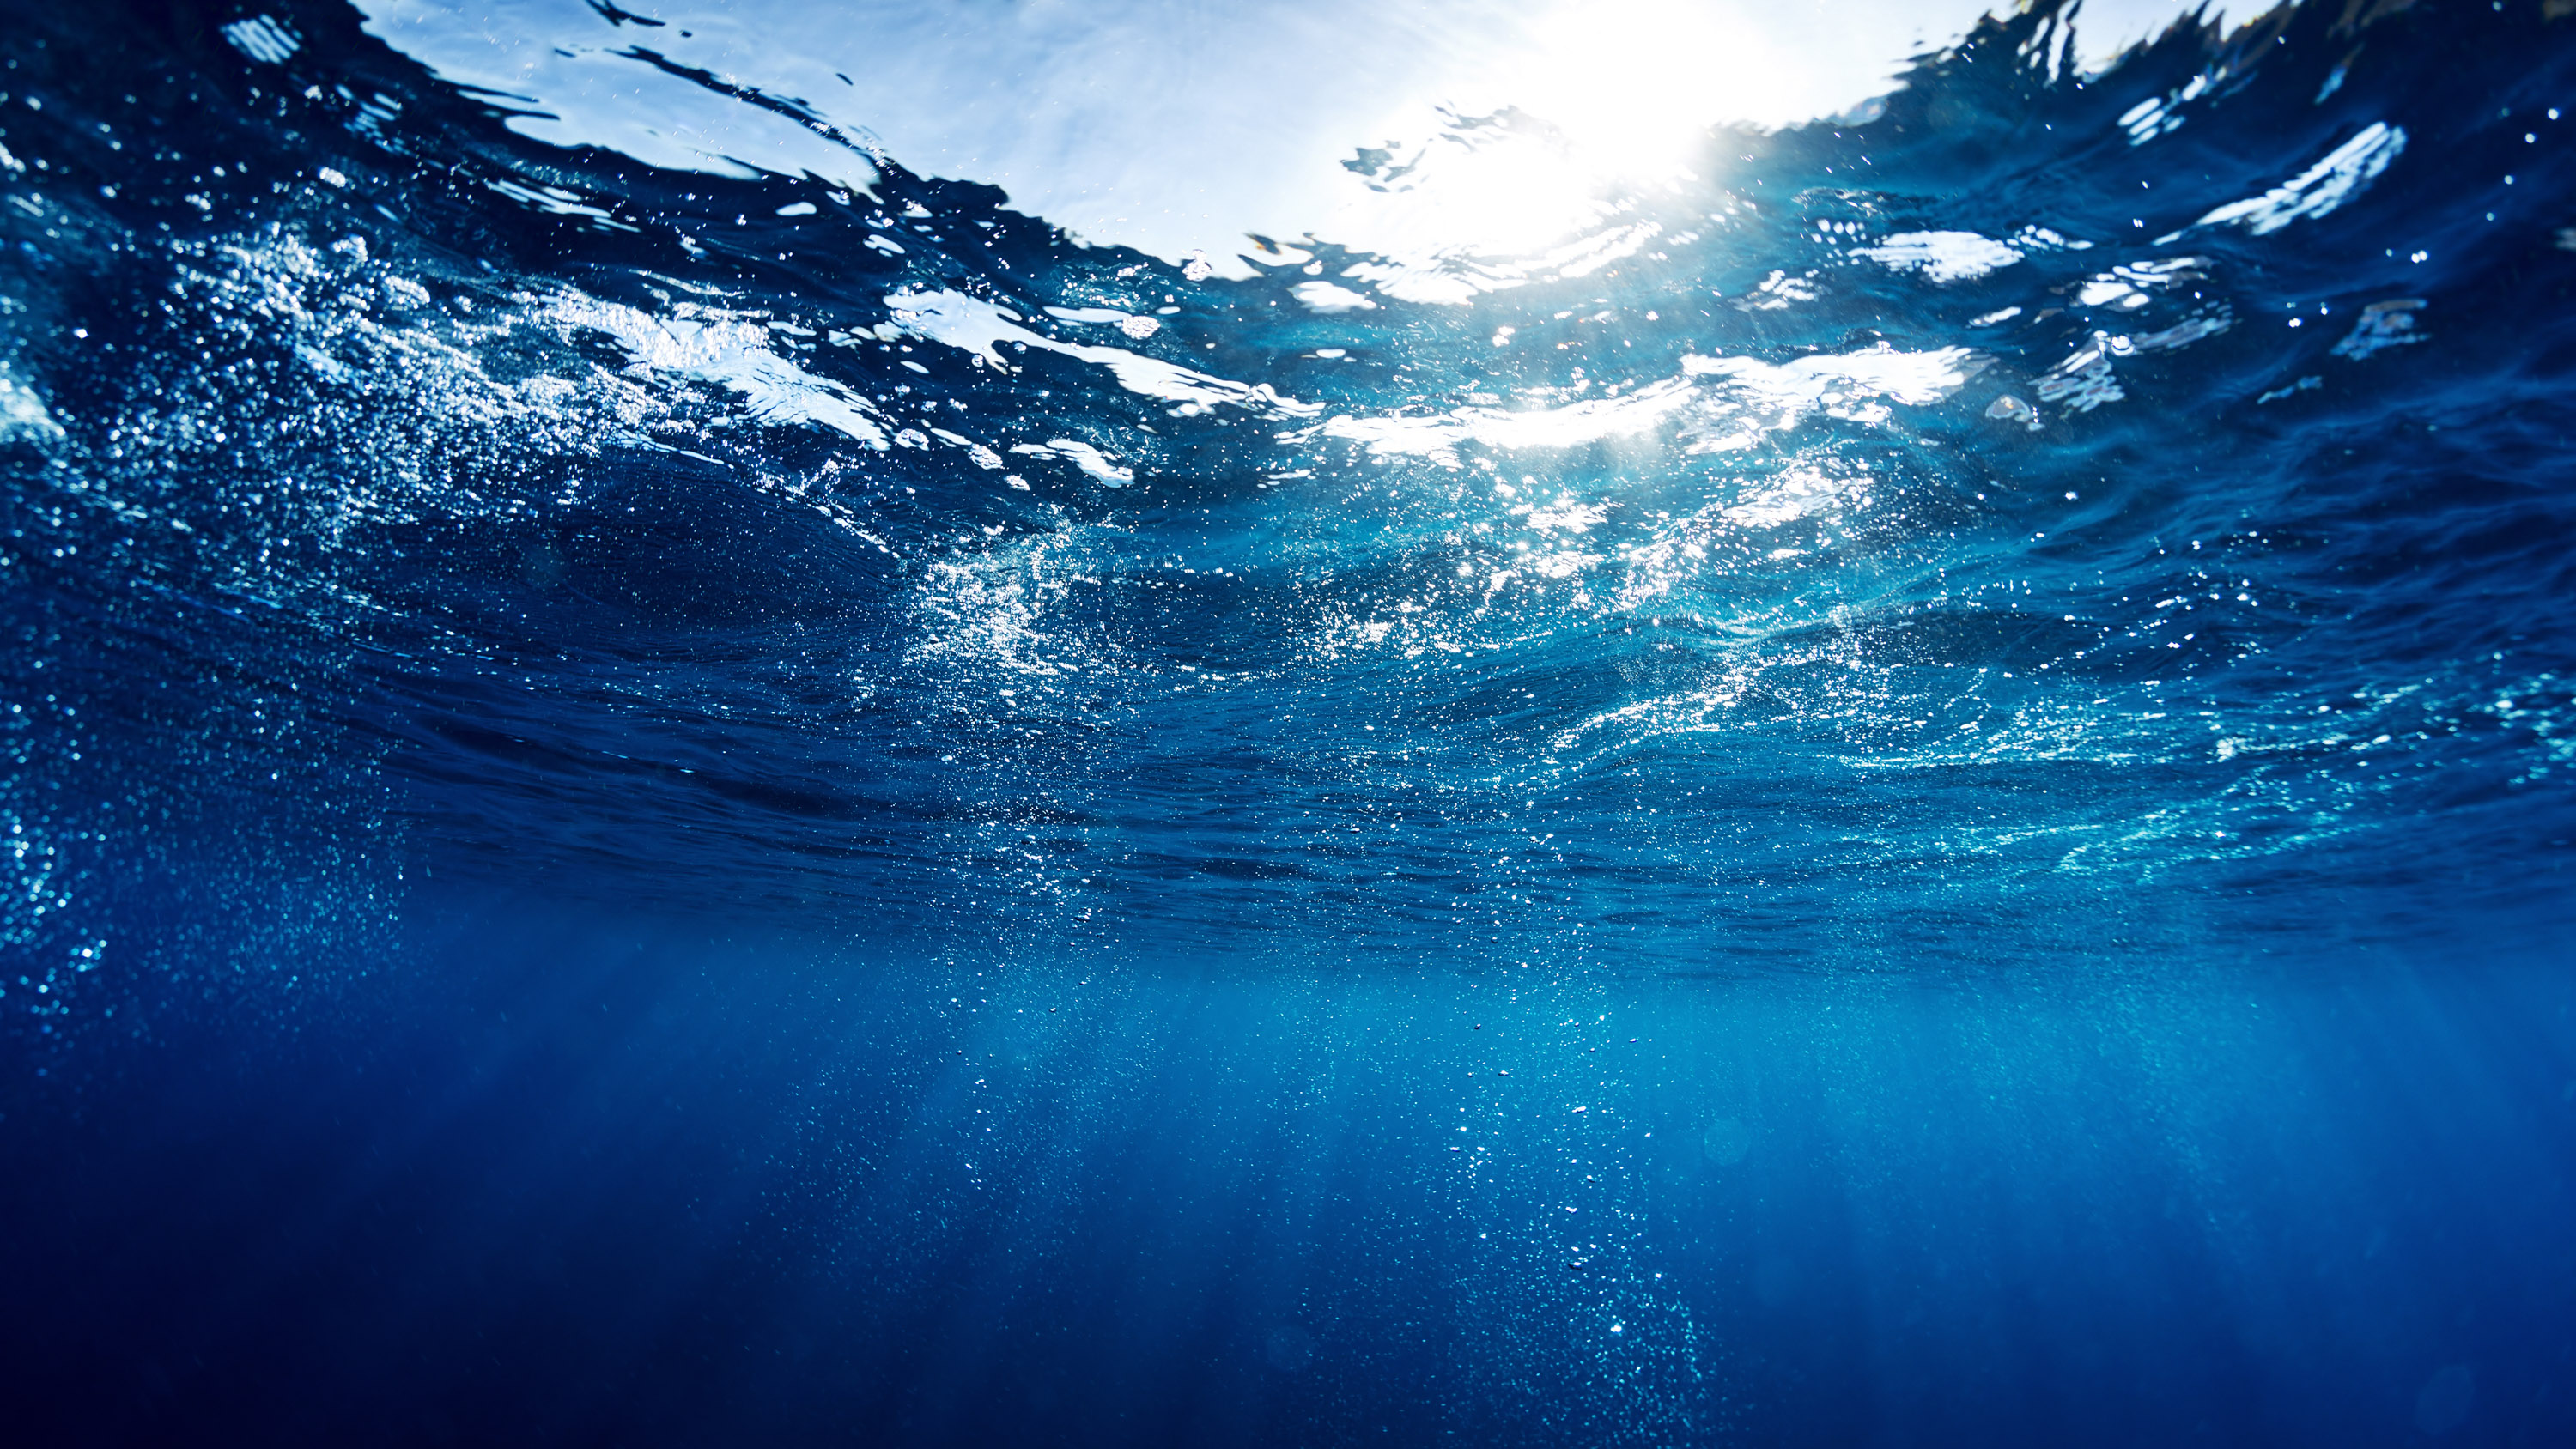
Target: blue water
[{"x": 1918, "y": 795}]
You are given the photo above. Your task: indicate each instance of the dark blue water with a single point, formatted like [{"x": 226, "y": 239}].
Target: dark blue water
[{"x": 1927, "y": 803}]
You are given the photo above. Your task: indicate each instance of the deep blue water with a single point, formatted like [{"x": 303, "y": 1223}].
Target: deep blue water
[{"x": 1924, "y": 799}]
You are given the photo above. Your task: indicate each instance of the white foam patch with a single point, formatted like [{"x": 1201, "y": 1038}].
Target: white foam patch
[
  {"x": 1757, "y": 397},
  {"x": 1084, "y": 456},
  {"x": 1796, "y": 494},
  {"x": 733, "y": 354},
  {"x": 1327, "y": 297},
  {"x": 976, "y": 326},
  {"x": 23, "y": 413},
  {"x": 1585, "y": 422},
  {"x": 1719, "y": 404},
  {"x": 1941, "y": 256},
  {"x": 263, "y": 39},
  {"x": 2317, "y": 191}
]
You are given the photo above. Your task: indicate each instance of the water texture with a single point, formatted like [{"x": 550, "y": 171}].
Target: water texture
[{"x": 1913, "y": 788}]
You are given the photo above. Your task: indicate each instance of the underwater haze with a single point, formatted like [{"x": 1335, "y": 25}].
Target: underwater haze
[{"x": 1653, "y": 774}]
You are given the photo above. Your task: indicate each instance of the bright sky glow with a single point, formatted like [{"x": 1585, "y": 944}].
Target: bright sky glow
[{"x": 1179, "y": 127}]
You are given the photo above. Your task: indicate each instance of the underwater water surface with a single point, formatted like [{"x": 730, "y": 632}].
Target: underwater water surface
[{"x": 1906, "y": 780}]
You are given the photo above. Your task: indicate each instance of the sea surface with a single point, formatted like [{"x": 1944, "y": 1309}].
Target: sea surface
[{"x": 1916, "y": 788}]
